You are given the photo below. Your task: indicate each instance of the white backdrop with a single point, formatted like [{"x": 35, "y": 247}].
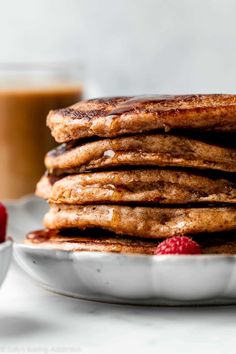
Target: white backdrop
[{"x": 128, "y": 46}]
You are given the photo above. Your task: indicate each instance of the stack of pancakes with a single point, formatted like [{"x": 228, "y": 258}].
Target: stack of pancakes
[{"x": 132, "y": 171}]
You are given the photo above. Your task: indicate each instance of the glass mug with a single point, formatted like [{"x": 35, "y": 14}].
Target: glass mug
[{"x": 27, "y": 93}]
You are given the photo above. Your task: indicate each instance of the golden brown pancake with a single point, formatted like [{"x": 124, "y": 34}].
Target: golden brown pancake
[
  {"x": 87, "y": 241},
  {"x": 137, "y": 186},
  {"x": 147, "y": 222},
  {"x": 140, "y": 150},
  {"x": 52, "y": 239},
  {"x": 44, "y": 186},
  {"x": 114, "y": 116}
]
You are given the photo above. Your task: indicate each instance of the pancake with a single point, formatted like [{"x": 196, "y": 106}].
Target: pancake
[
  {"x": 52, "y": 239},
  {"x": 82, "y": 241},
  {"x": 144, "y": 222},
  {"x": 44, "y": 186},
  {"x": 140, "y": 150},
  {"x": 114, "y": 116},
  {"x": 143, "y": 186}
]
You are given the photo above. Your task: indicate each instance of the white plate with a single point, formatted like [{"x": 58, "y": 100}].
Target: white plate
[
  {"x": 135, "y": 279},
  {"x": 5, "y": 258}
]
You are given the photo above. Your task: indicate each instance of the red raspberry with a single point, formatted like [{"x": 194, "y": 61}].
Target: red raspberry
[
  {"x": 178, "y": 245},
  {"x": 3, "y": 222}
]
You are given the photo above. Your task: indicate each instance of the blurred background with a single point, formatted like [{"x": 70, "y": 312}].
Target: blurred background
[
  {"x": 53, "y": 52},
  {"x": 128, "y": 46}
]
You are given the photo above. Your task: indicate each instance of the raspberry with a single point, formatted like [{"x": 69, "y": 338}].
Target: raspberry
[
  {"x": 3, "y": 222},
  {"x": 178, "y": 245}
]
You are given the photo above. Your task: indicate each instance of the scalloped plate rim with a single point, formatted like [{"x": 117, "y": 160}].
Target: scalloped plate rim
[{"x": 222, "y": 267}]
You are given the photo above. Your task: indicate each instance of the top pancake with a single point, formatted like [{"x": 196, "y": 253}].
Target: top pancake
[{"x": 111, "y": 117}]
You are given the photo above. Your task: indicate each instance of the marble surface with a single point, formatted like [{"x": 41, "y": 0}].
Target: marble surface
[{"x": 34, "y": 320}]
